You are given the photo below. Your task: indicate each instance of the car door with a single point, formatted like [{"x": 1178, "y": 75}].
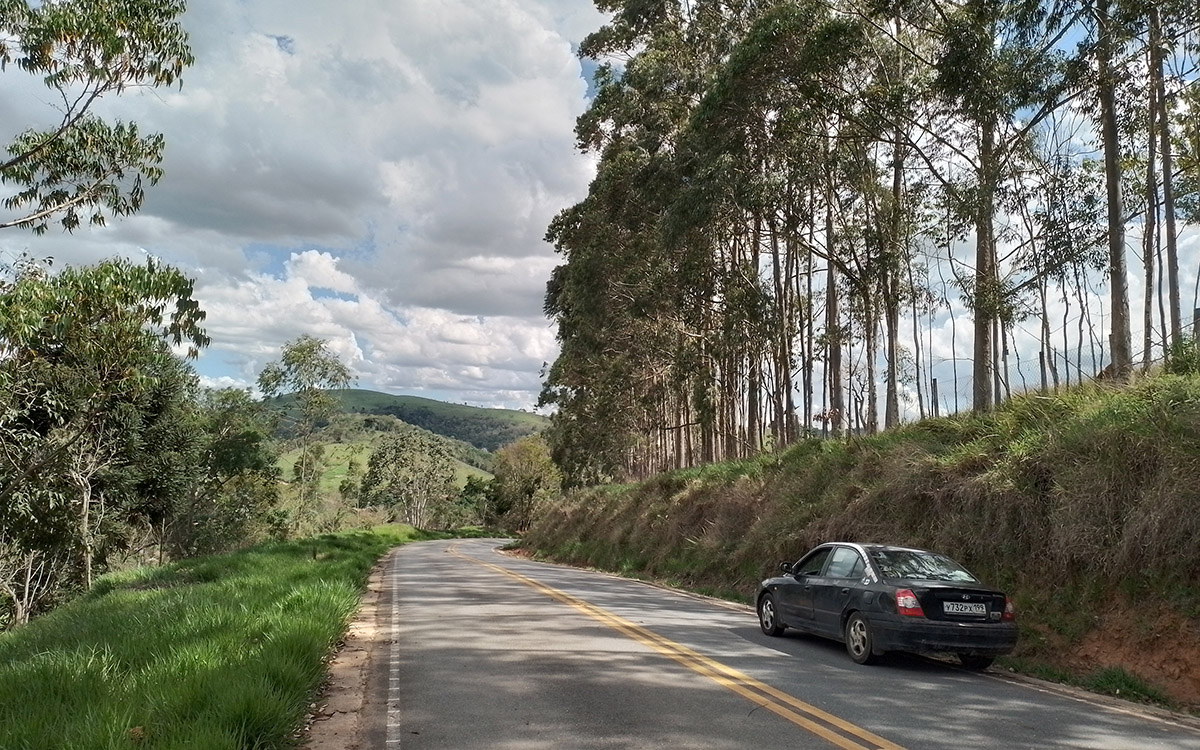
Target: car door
[
  {"x": 834, "y": 587},
  {"x": 796, "y": 595}
]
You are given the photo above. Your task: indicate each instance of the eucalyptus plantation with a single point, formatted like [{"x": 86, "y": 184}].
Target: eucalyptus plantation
[{"x": 781, "y": 184}]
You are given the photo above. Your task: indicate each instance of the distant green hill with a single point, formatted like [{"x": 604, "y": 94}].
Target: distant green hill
[{"x": 487, "y": 429}]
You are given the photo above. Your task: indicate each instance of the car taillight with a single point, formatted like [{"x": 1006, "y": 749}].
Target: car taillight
[
  {"x": 907, "y": 603},
  {"x": 1010, "y": 612}
]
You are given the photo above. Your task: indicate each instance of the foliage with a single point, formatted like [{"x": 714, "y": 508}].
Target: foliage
[
  {"x": 474, "y": 497},
  {"x": 412, "y": 475},
  {"x": 90, "y": 407},
  {"x": 1183, "y": 357},
  {"x": 307, "y": 369},
  {"x": 236, "y": 489},
  {"x": 81, "y": 167},
  {"x": 526, "y": 479}
]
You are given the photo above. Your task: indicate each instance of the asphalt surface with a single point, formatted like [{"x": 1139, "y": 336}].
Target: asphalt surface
[{"x": 495, "y": 651}]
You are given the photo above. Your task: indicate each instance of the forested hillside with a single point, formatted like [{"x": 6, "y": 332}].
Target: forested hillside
[
  {"x": 820, "y": 218},
  {"x": 486, "y": 429},
  {"x": 1084, "y": 505}
]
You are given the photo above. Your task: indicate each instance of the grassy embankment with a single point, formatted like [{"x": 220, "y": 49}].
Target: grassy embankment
[
  {"x": 218, "y": 652},
  {"x": 1084, "y": 505}
]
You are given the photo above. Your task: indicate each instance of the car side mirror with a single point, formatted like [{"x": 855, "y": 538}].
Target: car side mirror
[{"x": 785, "y": 566}]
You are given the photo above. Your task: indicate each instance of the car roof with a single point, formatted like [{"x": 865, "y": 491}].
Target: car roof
[{"x": 872, "y": 547}]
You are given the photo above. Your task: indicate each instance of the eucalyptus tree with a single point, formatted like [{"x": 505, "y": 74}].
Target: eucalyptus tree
[
  {"x": 615, "y": 298},
  {"x": 79, "y": 167},
  {"x": 1168, "y": 27},
  {"x": 1059, "y": 196},
  {"x": 1002, "y": 70},
  {"x": 310, "y": 371},
  {"x": 1106, "y": 74},
  {"x": 895, "y": 116}
]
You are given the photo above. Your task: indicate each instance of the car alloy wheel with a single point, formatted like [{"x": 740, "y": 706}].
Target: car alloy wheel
[
  {"x": 858, "y": 639},
  {"x": 768, "y": 618}
]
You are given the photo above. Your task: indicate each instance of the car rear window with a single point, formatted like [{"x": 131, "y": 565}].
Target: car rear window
[{"x": 923, "y": 566}]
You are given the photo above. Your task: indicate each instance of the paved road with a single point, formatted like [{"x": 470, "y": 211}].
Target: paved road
[{"x": 494, "y": 651}]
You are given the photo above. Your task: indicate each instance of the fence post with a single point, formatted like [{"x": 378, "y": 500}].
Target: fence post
[
  {"x": 1042, "y": 367},
  {"x": 934, "y": 396}
]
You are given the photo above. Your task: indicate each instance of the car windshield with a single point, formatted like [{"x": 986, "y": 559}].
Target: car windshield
[{"x": 922, "y": 566}]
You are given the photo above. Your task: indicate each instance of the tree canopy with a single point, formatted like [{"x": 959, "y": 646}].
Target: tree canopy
[{"x": 78, "y": 167}]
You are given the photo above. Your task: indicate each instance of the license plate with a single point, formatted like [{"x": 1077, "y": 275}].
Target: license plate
[{"x": 965, "y": 608}]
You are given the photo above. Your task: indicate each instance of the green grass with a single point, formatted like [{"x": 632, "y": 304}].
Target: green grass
[
  {"x": 1116, "y": 681},
  {"x": 219, "y": 652},
  {"x": 1113, "y": 681}
]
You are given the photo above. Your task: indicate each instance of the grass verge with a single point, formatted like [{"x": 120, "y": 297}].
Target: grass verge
[{"x": 218, "y": 652}]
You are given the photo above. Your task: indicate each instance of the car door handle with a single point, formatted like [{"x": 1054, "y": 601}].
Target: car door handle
[{"x": 846, "y": 591}]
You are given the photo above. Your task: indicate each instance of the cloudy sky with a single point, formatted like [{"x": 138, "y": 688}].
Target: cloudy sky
[
  {"x": 382, "y": 178},
  {"x": 378, "y": 174}
]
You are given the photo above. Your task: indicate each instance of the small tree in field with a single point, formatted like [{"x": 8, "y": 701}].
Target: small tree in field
[
  {"x": 308, "y": 370},
  {"x": 412, "y": 474},
  {"x": 525, "y": 478}
]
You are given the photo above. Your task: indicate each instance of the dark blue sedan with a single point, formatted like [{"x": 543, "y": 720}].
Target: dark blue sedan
[{"x": 877, "y": 598}]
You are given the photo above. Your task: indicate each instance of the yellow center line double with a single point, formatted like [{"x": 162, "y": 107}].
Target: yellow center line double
[{"x": 833, "y": 729}]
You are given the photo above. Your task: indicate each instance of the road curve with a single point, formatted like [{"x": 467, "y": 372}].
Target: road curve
[{"x": 489, "y": 650}]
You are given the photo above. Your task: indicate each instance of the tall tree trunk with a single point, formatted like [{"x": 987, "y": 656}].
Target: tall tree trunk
[
  {"x": 85, "y": 529},
  {"x": 891, "y": 281},
  {"x": 810, "y": 320},
  {"x": 986, "y": 293},
  {"x": 871, "y": 322},
  {"x": 1047, "y": 344},
  {"x": 917, "y": 357},
  {"x": 891, "y": 322},
  {"x": 787, "y": 409},
  {"x": 833, "y": 363},
  {"x": 1150, "y": 226},
  {"x": 1168, "y": 181},
  {"x": 782, "y": 335},
  {"x": 1122, "y": 343}
]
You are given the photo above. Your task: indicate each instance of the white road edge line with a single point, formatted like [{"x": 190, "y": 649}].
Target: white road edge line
[{"x": 393, "y": 701}]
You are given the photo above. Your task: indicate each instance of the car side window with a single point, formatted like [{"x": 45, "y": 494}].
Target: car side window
[
  {"x": 811, "y": 565},
  {"x": 845, "y": 563}
]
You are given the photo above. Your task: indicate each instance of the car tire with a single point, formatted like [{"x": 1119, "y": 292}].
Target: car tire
[
  {"x": 859, "y": 641},
  {"x": 975, "y": 661},
  {"x": 768, "y": 616}
]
